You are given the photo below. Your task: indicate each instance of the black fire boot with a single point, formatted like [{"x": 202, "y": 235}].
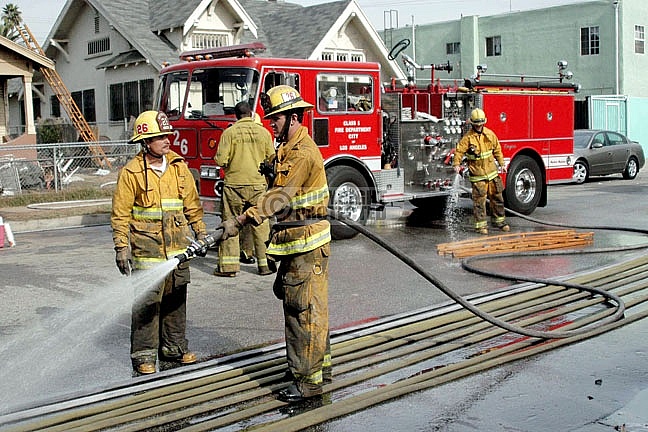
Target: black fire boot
[{"x": 292, "y": 394}]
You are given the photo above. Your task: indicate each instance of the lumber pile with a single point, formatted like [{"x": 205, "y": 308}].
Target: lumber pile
[{"x": 523, "y": 242}]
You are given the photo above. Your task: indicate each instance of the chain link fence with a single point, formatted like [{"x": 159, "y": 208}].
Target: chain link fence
[{"x": 62, "y": 166}]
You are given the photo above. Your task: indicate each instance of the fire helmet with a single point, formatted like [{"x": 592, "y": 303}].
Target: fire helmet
[
  {"x": 478, "y": 117},
  {"x": 150, "y": 124},
  {"x": 283, "y": 98}
]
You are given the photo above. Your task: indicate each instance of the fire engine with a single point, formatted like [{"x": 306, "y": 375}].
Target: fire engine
[{"x": 381, "y": 142}]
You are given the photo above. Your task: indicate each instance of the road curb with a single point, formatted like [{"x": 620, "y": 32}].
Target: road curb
[{"x": 60, "y": 223}]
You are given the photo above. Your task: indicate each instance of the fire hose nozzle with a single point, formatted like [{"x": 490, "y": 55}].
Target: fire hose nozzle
[{"x": 199, "y": 247}]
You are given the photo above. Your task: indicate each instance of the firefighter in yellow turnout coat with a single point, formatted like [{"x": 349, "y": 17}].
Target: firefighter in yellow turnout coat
[
  {"x": 482, "y": 148},
  {"x": 242, "y": 148},
  {"x": 300, "y": 240},
  {"x": 155, "y": 209}
]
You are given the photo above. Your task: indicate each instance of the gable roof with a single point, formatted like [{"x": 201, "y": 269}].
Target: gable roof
[
  {"x": 125, "y": 17},
  {"x": 27, "y": 53},
  {"x": 291, "y": 30}
]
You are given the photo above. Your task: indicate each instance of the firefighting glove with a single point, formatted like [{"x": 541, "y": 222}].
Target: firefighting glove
[
  {"x": 202, "y": 252},
  {"x": 123, "y": 260},
  {"x": 230, "y": 228}
]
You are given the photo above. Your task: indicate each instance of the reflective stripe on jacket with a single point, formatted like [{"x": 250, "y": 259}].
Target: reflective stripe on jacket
[
  {"x": 481, "y": 163},
  {"x": 300, "y": 194},
  {"x": 153, "y": 213}
]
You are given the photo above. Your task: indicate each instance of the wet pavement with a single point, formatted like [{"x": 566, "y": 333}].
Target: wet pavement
[{"x": 67, "y": 318}]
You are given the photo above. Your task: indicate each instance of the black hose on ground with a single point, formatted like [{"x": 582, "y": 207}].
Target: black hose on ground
[{"x": 620, "y": 306}]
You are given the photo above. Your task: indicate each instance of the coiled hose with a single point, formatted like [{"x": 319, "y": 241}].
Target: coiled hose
[{"x": 468, "y": 265}]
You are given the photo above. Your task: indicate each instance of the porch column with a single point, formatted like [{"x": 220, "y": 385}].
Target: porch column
[{"x": 30, "y": 128}]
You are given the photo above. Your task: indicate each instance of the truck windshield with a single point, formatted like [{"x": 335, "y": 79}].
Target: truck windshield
[{"x": 206, "y": 92}]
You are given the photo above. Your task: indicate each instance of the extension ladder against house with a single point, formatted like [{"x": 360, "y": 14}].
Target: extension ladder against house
[{"x": 65, "y": 98}]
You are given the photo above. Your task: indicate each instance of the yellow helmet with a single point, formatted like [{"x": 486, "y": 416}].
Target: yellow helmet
[
  {"x": 283, "y": 98},
  {"x": 478, "y": 117},
  {"x": 150, "y": 124}
]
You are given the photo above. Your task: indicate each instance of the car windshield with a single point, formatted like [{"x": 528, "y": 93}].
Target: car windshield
[{"x": 581, "y": 139}]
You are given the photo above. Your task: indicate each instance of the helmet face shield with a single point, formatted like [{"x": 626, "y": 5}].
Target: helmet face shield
[
  {"x": 282, "y": 98},
  {"x": 150, "y": 124}
]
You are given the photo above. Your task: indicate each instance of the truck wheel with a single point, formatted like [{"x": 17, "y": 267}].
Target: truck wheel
[
  {"x": 348, "y": 196},
  {"x": 523, "y": 185}
]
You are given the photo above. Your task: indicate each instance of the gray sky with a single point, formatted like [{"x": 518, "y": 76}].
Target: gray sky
[{"x": 40, "y": 15}]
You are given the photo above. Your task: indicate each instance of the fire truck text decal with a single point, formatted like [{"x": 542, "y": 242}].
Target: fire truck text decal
[
  {"x": 352, "y": 129},
  {"x": 181, "y": 143}
]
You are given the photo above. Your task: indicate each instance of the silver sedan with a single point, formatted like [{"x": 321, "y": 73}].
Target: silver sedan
[{"x": 600, "y": 152}]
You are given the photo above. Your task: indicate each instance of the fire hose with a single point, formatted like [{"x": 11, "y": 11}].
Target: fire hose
[
  {"x": 620, "y": 307},
  {"x": 199, "y": 247}
]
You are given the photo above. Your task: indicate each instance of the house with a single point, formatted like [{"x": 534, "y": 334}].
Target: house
[
  {"x": 604, "y": 43},
  {"x": 109, "y": 52},
  {"x": 18, "y": 61}
]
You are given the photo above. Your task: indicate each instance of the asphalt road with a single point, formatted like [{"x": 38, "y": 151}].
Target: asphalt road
[{"x": 65, "y": 326}]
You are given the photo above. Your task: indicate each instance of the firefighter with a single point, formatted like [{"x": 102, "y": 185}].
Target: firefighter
[
  {"x": 155, "y": 208},
  {"x": 300, "y": 240},
  {"x": 482, "y": 148},
  {"x": 242, "y": 148}
]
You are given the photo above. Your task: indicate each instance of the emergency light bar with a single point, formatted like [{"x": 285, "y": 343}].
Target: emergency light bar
[{"x": 243, "y": 50}]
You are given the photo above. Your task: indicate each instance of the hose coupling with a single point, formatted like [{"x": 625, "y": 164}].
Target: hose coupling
[{"x": 199, "y": 247}]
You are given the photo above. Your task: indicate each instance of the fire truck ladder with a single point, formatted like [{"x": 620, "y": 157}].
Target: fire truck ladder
[{"x": 65, "y": 98}]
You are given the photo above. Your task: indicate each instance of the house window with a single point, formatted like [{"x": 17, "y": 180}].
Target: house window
[
  {"x": 209, "y": 40},
  {"x": 640, "y": 39},
  {"x": 116, "y": 102},
  {"x": 55, "y": 106},
  {"x": 590, "y": 40},
  {"x": 85, "y": 101},
  {"x": 99, "y": 46},
  {"x": 493, "y": 46},
  {"x": 146, "y": 91},
  {"x": 89, "y": 105},
  {"x": 452, "y": 48},
  {"x": 130, "y": 98},
  {"x": 343, "y": 55}
]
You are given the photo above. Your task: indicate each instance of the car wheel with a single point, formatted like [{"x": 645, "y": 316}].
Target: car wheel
[
  {"x": 348, "y": 195},
  {"x": 581, "y": 173},
  {"x": 631, "y": 169}
]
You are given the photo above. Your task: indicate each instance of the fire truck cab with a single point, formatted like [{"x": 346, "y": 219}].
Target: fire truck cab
[{"x": 380, "y": 143}]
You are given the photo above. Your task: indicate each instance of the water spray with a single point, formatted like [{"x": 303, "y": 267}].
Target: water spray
[{"x": 199, "y": 247}]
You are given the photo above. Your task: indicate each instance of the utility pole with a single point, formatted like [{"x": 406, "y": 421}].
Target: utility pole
[
  {"x": 388, "y": 25},
  {"x": 413, "y": 40}
]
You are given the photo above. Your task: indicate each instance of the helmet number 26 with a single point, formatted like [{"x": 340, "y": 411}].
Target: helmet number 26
[{"x": 182, "y": 143}]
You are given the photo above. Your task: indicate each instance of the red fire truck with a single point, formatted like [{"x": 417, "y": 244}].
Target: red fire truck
[{"x": 381, "y": 143}]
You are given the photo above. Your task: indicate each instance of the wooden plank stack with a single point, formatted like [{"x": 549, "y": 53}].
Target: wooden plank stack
[{"x": 523, "y": 242}]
